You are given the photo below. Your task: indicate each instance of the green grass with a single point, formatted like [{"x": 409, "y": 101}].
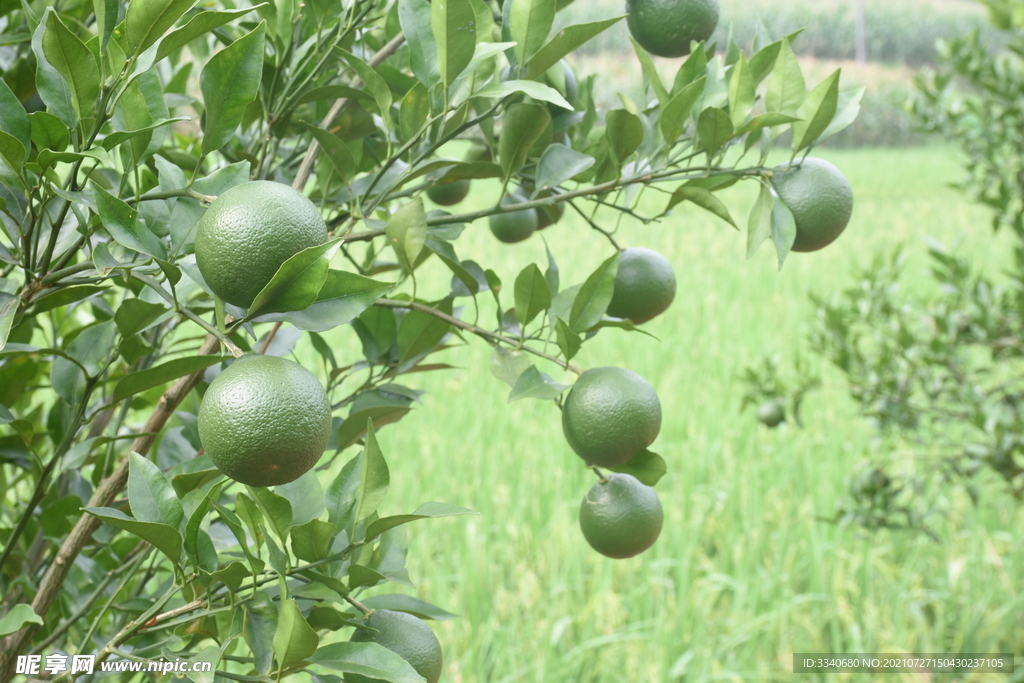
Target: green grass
[{"x": 743, "y": 574}]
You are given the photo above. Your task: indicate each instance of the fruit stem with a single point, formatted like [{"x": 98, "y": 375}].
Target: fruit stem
[
  {"x": 600, "y": 475},
  {"x": 359, "y": 606}
]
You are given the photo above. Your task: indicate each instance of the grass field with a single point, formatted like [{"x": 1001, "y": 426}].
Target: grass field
[{"x": 743, "y": 574}]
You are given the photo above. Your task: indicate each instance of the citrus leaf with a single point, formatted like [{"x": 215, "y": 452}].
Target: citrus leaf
[
  {"x": 200, "y": 24},
  {"x": 593, "y": 298},
  {"x": 414, "y": 17},
  {"x": 374, "y": 477},
  {"x": 164, "y": 538},
  {"x": 564, "y": 42},
  {"x": 294, "y": 640},
  {"x": 362, "y": 577},
  {"x": 650, "y": 73},
  {"x": 151, "y": 498},
  {"x": 421, "y": 331},
  {"x": 122, "y": 222},
  {"x": 702, "y": 198},
  {"x": 8, "y": 310},
  {"x": 523, "y": 123},
  {"x": 408, "y": 604},
  {"x": 134, "y": 315},
  {"x": 714, "y": 128},
  {"x": 306, "y": 496},
  {"x": 371, "y": 660},
  {"x": 817, "y": 112},
  {"x": 847, "y": 109},
  {"x": 298, "y": 281},
  {"x": 765, "y": 121},
  {"x": 530, "y": 23},
  {"x": 407, "y": 232},
  {"x": 229, "y": 82},
  {"x": 558, "y": 164},
  {"x": 114, "y": 139},
  {"x": 783, "y": 226},
  {"x": 508, "y": 364},
  {"x": 446, "y": 252},
  {"x": 146, "y": 20},
  {"x": 64, "y": 297},
  {"x": 75, "y": 63},
  {"x": 49, "y": 132},
  {"x": 647, "y": 467},
  {"x": 741, "y": 92},
  {"x": 19, "y": 615},
  {"x": 759, "y": 226},
  {"x": 674, "y": 115},
  {"x": 786, "y": 89},
  {"x": 425, "y": 511},
  {"x": 54, "y": 91},
  {"x": 532, "y": 294},
  {"x": 568, "y": 341},
  {"x": 312, "y": 541},
  {"x": 537, "y": 91},
  {"x": 625, "y": 133},
  {"x": 337, "y": 152},
  {"x": 453, "y": 24},
  {"x": 276, "y": 510},
  {"x": 158, "y": 375},
  {"x": 14, "y": 120},
  {"x": 536, "y": 384},
  {"x": 259, "y": 626},
  {"x": 342, "y": 297},
  {"x": 197, "y": 541}
]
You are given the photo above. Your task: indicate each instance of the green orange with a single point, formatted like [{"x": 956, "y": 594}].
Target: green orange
[
  {"x": 666, "y": 27},
  {"x": 513, "y": 226},
  {"x": 248, "y": 232},
  {"x": 644, "y": 286},
  {"x": 771, "y": 413},
  {"x": 820, "y": 198},
  {"x": 448, "y": 193},
  {"x": 405, "y": 635},
  {"x": 610, "y": 415},
  {"x": 265, "y": 420},
  {"x": 621, "y": 517}
]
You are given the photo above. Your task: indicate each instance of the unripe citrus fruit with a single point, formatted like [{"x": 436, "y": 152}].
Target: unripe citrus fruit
[
  {"x": 821, "y": 201},
  {"x": 514, "y": 226},
  {"x": 621, "y": 517},
  {"x": 771, "y": 412},
  {"x": 265, "y": 420},
  {"x": 644, "y": 286},
  {"x": 666, "y": 27},
  {"x": 405, "y": 635},
  {"x": 550, "y": 214},
  {"x": 448, "y": 193},
  {"x": 610, "y": 416},
  {"x": 248, "y": 232}
]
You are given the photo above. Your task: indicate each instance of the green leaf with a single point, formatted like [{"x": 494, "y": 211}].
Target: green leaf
[
  {"x": 342, "y": 297},
  {"x": 446, "y": 252},
  {"x": 532, "y": 294},
  {"x": 568, "y": 341},
  {"x": 536, "y": 384},
  {"x": 164, "y": 538},
  {"x": 65, "y": 297},
  {"x": 786, "y": 89},
  {"x": 312, "y": 541},
  {"x": 375, "y": 83},
  {"x": 425, "y": 511},
  {"x": 508, "y": 364},
  {"x": 762, "y": 121},
  {"x": 8, "y": 310},
  {"x": 530, "y": 23},
  {"x": 453, "y": 23},
  {"x": 259, "y": 626},
  {"x": 714, "y": 128},
  {"x": 306, "y": 496},
  {"x": 146, "y": 20},
  {"x": 702, "y": 198},
  {"x": 197, "y": 542},
  {"x": 625, "y": 133},
  {"x": 693, "y": 68},
  {"x": 199, "y": 25},
  {"x": 817, "y": 112},
  {"x": 75, "y": 63},
  {"x": 150, "y": 495},
  {"x": 374, "y": 477},
  {"x": 362, "y": 577},
  {"x": 406, "y": 603},
  {"x": 759, "y": 226},
  {"x": 674, "y": 115},
  {"x": 413, "y": 110},
  {"x": 229, "y": 82},
  {"x": 297, "y": 282},
  {"x": 19, "y": 615},
  {"x": 651, "y": 73},
  {"x": 14, "y": 120},
  {"x": 593, "y": 298},
  {"x": 12, "y": 155},
  {"x": 414, "y": 17},
  {"x": 407, "y": 231},
  {"x": 337, "y": 152},
  {"x": 294, "y": 640},
  {"x": 133, "y": 315},
  {"x": 354, "y": 428},
  {"x": 114, "y": 139},
  {"x": 158, "y": 375},
  {"x": 421, "y": 331},
  {"x": 522, "y": 124},
  {"x": 54, "y": 91},
  {"x": 537, "y": 91},
  {"x": 49, "y": 132},
  {"x": 366, "y": 659},
  {"x": 765, "y": 59},
  {"x": 558, "y": 164},
  {"x": 564, "y": 42},
  {"x": 647, "y": 467},
  {"x": 847, "y": 110},
  {"x": 741, "y": 92},
  {"x": 122, "y": 222},
  {"x": 276, "y": 510},
  {"x": 783, "y": 226}
]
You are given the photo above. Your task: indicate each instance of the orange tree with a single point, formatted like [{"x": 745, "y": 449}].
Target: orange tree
[{"x": 184, "y": 185}]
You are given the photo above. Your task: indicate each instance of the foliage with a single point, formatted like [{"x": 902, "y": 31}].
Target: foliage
[
  {"x": 946, "y": 367},
  {"x": 120, "y": 124}
]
